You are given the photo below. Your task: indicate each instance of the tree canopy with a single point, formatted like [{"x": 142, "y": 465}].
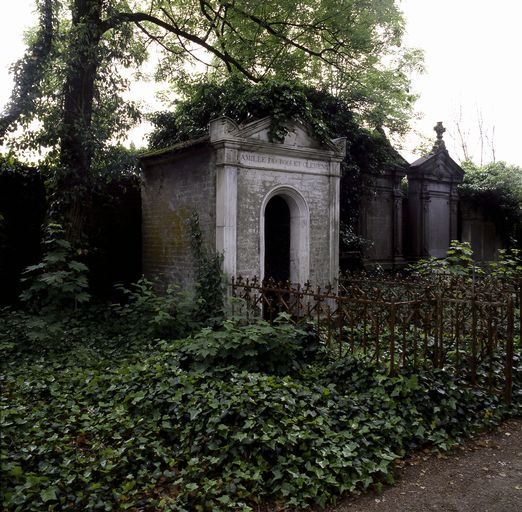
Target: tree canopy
[
  {"x": 496, "y": 188},
  {"x": 71, "y": 81}
]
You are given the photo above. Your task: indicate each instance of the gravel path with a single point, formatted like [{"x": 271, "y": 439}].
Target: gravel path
[{"x": 483, "y": 475}]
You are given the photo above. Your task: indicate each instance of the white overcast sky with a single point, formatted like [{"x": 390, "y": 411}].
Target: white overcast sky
[{"x": 473, "y": 65}]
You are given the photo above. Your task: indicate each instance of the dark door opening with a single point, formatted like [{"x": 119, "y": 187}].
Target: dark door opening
[{"x": 277, "y": 239}]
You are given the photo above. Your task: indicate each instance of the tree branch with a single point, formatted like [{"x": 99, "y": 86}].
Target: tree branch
[
  {"x": 137, "y": 17},
  {"x": 29, "y": 71}
]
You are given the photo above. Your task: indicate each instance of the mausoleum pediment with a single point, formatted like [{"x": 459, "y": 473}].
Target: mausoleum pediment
[
  {"x": 299, "y": 134},
  {"x": 437, "y": 166}
]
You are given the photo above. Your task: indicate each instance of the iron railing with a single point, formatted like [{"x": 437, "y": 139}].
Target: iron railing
[{"x": 470, "y": 325}]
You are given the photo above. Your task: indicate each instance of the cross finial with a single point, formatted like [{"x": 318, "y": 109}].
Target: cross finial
[{"x": 439, "y": 143}]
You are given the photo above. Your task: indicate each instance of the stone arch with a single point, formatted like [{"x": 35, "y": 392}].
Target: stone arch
[{"x": 299, "y": 233}]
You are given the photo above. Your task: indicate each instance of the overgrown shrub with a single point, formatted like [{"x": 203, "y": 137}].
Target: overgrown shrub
[
  {"x": 281, "y": 349},
  {"x": 59, "y": 282},
  {"x": 458, "y": 262},
  {"x": 145, "y": 313},
  {"x": 164, "y": 427}
]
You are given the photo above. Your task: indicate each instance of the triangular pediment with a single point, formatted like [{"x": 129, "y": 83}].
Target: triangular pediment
[
  {"x": 438, "y": 165},
  {"x": 299, "y": 134}
]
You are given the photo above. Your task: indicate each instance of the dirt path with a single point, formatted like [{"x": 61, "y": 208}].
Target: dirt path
[{"x": 484, "y": 475}]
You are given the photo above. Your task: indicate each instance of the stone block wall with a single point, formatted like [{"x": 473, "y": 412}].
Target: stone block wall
[
  {"x": 253, "y": 187},
  {"x": 174, "y": 187},
  {"x": 381, "y": 219},
  {"x": 480, "y": 231}
]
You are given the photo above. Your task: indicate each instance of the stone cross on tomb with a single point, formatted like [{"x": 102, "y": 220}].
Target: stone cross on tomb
[{"x": 439, "y": 143}]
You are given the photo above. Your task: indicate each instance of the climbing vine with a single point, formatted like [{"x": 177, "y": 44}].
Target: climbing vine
[
  {"x": 210, "y": 282},
  {"x": 330, "y": 117}
]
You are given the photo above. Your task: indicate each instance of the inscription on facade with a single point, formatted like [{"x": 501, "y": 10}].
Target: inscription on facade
[{"x": 252, "y": 159}]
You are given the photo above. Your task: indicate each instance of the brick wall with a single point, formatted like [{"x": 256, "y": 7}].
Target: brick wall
[{"x": 173, "y": 189}]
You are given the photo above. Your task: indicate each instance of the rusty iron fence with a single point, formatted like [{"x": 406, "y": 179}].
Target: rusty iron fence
[{"x": 467, "y": 324}]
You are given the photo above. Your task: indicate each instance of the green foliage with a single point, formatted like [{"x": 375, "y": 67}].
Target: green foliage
[
  {"x": 41, "y": 95},
  {"x": 458, "y": 261},
  {"x": 255, "y": 347},
  {"x": 351, "y": 241},
  {"x": 243, "y": 102},
  {"x": 210, "y": 281},
  {"x": 146, "y": 313},
  {"x": 508, "y": 265},
  {"x": 351, "y": 49},
  {"x": 496, "y": 189},
  {"x": 116, "y": 423},
  {"x": 59, "y": 282}
]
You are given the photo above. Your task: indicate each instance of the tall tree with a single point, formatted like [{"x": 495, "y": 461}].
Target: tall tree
[{"x": 342, "y": 44}]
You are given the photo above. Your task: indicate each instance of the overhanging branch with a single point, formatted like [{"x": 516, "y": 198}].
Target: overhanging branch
[
  {"x": 29, "y": 71},
  {"x": 138, "y": 17}
]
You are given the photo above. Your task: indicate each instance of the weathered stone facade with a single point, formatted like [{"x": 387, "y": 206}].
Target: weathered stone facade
[
  {"x": 433, "y": 201},
  {"x": 381, "y": 219},
  {"x": 272, "y": 209},
  {"x": 480, "y": 231},
  {"x": 402, "y": 228},
  {"x": 230, "y": 178},
  {"x": 168, "y": 201}
]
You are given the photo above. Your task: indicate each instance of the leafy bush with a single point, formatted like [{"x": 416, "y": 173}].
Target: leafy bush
[
  {"x": 458, "y": 261},
  {"x": 59, "y": 281},
  {"x": 281, "y": 349},
  {"x": 146, "y": 313},
  {"x": 508, "y": 265},
  {"x": 112, "y": 425}
]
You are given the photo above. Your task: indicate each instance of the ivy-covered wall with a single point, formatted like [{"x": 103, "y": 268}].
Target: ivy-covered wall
[
  {"x": 114, "y": 253},
  {"x": 368, "y": 150},
  {"x": 22, "y": 212}
]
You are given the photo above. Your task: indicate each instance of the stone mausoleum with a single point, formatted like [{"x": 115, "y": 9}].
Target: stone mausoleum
[
  {"x": 410, "y": 212},
  {"x": 271, "y": 209}
]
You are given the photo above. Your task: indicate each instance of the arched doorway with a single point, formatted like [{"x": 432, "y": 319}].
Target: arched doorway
[
  {"x": 284, "y": 236},
  {"x": 277, "y": 239}
]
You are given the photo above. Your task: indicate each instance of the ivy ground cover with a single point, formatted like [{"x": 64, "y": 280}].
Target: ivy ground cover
[{"x": 229, "y": 419}]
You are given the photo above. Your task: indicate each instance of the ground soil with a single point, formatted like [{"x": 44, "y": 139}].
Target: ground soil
[{"x": 482, "y": 475}]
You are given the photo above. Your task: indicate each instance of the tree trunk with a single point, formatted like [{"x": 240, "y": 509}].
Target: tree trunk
[{"x": 76, "y": 145}]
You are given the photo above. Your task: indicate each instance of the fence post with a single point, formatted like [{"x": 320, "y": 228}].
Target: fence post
[
  {"x": 392, "y": 337},
  {"x": 473, "y": 341},
  {"x": 508, "y": 372},
  {"x": 439, "y": 332}
]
